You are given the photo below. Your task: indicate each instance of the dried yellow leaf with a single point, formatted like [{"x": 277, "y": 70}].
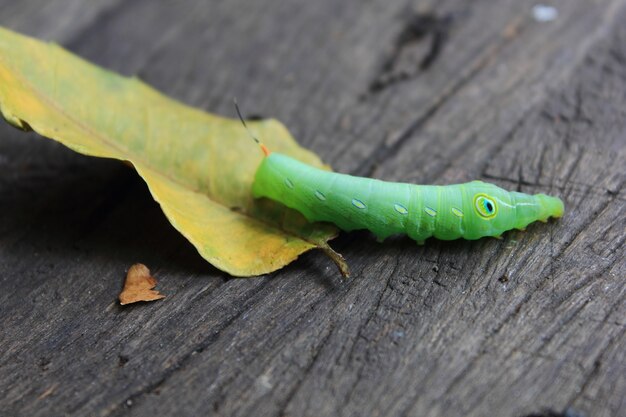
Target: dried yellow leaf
[{"x": 198, "y": 166}]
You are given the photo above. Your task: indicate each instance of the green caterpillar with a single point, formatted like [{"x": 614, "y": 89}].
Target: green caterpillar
[{"x": 470, "y": 211}]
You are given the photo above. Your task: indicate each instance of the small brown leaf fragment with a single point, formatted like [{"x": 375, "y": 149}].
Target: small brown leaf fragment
[{"x": 139, "y": 286}]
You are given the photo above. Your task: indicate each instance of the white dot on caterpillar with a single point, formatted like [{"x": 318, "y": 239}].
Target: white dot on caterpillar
[
  {"x": 457, "y": 212},
  {"x": 320, "y": 196},
  {"x": 358, "y": 204},
  {"x": 400, "y": 208},
  {"x": 430, "y": 211},
  {"x": 288, "y": 183}
]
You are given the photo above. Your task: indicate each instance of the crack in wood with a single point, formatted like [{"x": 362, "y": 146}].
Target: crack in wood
[
  {"x": 419, "y": 27},
  {"x": 449, "y": 91},
  {"x": 568, "y": 412}
]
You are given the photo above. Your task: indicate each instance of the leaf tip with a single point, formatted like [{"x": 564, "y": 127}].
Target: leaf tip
[{"x": 337, "y": 258}]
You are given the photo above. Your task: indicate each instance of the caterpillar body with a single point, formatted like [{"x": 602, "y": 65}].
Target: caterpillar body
[{"x": 472, "y": 210}]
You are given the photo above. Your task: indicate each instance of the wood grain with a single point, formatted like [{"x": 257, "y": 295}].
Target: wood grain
[{"x": 505, "y": 328}]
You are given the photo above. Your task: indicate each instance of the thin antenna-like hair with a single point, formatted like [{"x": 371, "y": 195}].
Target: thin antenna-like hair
[
  {"x": 254, "y": 138},
  {"x": 243, "y": 122}
]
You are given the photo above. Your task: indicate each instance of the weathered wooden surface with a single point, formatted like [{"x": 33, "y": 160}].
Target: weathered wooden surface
[{"x": 504, "y": 328}]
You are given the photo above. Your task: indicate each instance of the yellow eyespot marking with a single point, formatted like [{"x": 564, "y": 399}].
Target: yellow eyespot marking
[
  {"x": 320, "y": 196},
  {"x": 457, "y": 212},
  {"x": 288, "y": 183},
  {"x": 358, "y": 203},
  {"x": 400, "y": 208},
  {"x": 485, "y": 206},
  {"x": 430, "y": 211}
]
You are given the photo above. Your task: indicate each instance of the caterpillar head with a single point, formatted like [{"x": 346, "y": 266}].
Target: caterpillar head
[{"x": 496, "y": 210}]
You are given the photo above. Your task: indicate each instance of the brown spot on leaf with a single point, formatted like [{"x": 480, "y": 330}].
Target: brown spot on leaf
[{"x": 139, "y": 286}]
